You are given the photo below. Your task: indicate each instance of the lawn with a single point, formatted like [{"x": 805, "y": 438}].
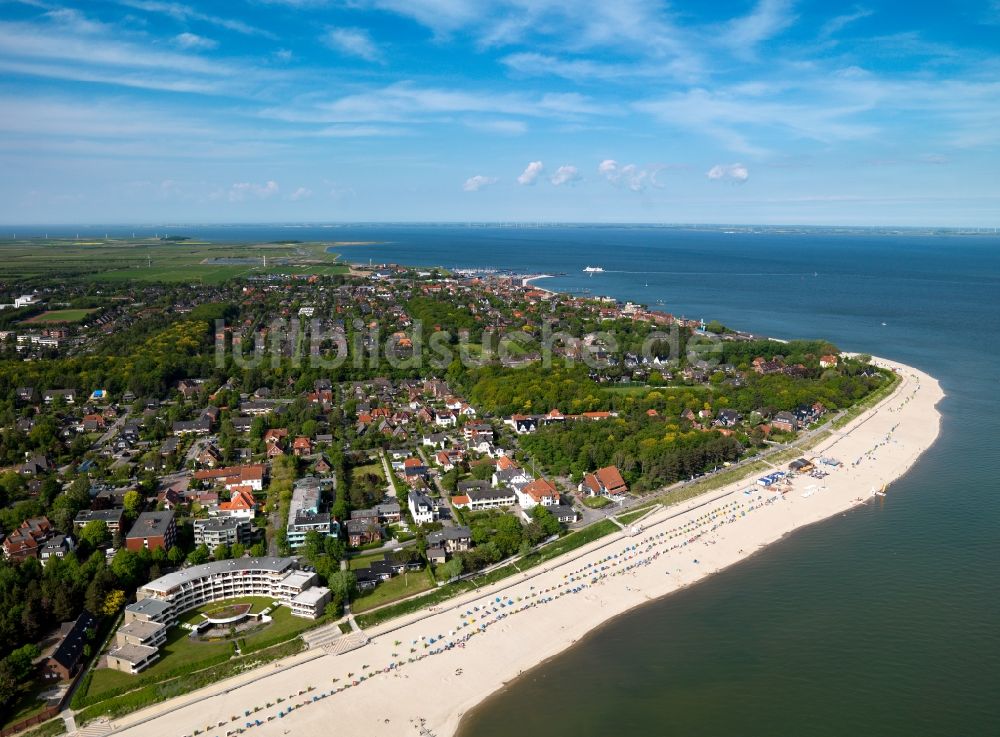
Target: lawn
[
  {"x": 397, "y": 587},
  {"x": 362, "y": 561},
  {"x": 60, "y": 316},
  {"x": 371, "y": 469},
  {"x": 181, "y": 653},
  {"x": 596, "y": 502},
  {"x": 629, "y": 517},
  {"x": 257, "y": 604}
]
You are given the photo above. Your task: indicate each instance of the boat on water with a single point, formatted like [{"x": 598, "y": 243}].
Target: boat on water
[{"x": 593, "y": 270}]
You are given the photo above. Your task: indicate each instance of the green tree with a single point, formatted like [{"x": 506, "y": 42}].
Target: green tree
[
  {"x": 451, "y": 569},
  {"x": 95, "y": 533},
  {"x": 132, "y": 502},
  {"x": 127, "y": 567},
  {"x": 199, "y": 555},
  {"x": 342, "y": 586}
]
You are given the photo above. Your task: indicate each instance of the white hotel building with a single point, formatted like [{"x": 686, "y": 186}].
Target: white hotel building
[{"x": 162, "y": 601}]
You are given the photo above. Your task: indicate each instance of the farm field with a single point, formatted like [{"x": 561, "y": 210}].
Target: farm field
[
  {"x": 60, "y": 316},
  {"x": 153, "y": 260}
]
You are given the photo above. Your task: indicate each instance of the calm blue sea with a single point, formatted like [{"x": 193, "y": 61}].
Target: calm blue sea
[{"x": 882, "y": 622}]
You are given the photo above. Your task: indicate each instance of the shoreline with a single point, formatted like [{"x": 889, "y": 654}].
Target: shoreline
[{"x": 435, "y": 665}]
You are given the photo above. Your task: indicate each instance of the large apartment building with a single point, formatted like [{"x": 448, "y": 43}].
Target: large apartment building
[{"x": 160, "y": 602}]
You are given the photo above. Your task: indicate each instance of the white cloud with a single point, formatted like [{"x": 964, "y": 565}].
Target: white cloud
[
  {"x": 566, "y": 174},
  {"x": 75, "y": 21},
  {"x": 729, "y": 172},
  {"x": 302, "y": 193},
  {"x": 731, "y": 115},
  {"x": 193, "y": 41},
  {"x": 246, "y": 190},
  {"x": 353, "y": 42},
  {"x": 531, "y": 173},
  {"x": 838, "y": 23},
  {"x": 768, "y": 19},
  {"x": 629, "y": 176},
  {"x": 404, "y": 101},
  {"x": 504, "y": 127},
  {"x": 181, "y": 12},
  {"x": 531, "y": 64},
  {"x": 478, "y": 182},
  {"x": 641, "y": 26}
]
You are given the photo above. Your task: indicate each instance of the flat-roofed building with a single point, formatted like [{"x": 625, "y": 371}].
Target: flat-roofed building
[
  {"x": 110, "y": 517},
  {"x": 149, "y": 610},
  {"x": 215, "y": 531},
  {"x": 131, "y": 658},
  {"x": 151, "y": 531},
  {"x": 311, "y": 603},
  {"x": 160, "y": 602},
  {"x": 138, "y": 632},
  {"x": 304, "y": 515},
  {"x": 274, "y": 578}
]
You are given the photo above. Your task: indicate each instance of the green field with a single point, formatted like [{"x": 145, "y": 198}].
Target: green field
[
  {"x": 397, "y": 587},
  {"x": 60, "y": 316},
  {"x": 359, "y": 472},
  {"x": 152, "y": 260},
  {"x": 182, "y": 653}
]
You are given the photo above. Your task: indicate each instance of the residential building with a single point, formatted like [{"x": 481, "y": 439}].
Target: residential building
[
  {"x": 234, "y": 476},
  {"x": 27, "y": 540},
  {"x": 151, "y": 531},
  {"x": 452, "y": 539},
  {"x": 66, "y": 659},
  {"x": 479, "y": 495},
  {"x": 241, "y": 504},
  {"x": 606, "y": 482},
  {"x": 304, "y": 515},
  {"x": 422, "y": 509},
  {"x": 539, "y": 491},
  {"x": 112, "y": 518},
  {"x": 277, "y": 578},
  {"x": 215, "y": 531}
]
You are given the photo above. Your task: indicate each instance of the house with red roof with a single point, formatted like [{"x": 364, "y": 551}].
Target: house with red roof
[
  {"x": 275, "y": 436},
  {"x": 27, "y": 540},
  {"x": 233, "y": 476},
  {"x": 241, "y": 504},
  {"x": 539, "y": 491},
  {"x": 606, "y": 482}
]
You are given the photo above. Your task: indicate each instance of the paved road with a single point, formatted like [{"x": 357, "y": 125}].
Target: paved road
[{"x": 116, "y": 426}]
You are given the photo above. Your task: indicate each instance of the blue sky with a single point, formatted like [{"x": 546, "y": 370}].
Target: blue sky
[{"x": 554, "y": 110}]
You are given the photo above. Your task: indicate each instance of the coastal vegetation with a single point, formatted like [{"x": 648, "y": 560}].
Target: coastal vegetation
[{"x": 167, "y": 260}]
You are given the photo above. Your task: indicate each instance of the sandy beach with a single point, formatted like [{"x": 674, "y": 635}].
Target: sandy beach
[{"x": 420, "y": 674}]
